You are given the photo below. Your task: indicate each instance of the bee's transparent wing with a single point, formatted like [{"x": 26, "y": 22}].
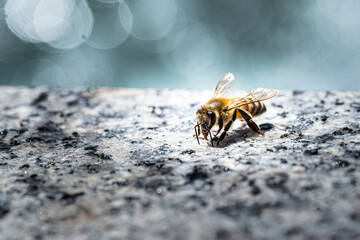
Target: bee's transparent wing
[
  {"x": 223, "y": 86},
  {"x": 259, "y": 94}
]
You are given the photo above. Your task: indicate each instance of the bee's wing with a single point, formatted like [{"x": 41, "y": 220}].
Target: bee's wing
[
  {"x": 259, "y": 94},
  {"x": 223, "y": 85}
]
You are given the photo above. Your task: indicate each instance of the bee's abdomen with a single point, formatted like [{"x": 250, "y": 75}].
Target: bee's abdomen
[{"x": 255, "y": 108}]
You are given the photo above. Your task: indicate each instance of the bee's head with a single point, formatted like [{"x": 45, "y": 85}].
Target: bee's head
[{"x": 205, "y": 121}]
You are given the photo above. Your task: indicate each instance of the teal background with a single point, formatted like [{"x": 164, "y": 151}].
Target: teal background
[{"x": 191, "y": 44}]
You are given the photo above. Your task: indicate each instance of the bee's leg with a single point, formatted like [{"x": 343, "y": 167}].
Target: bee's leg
[
  {"x": 205, "y": 135},
  {"x": 215, "y": 138},
  {"x": 220, "y": 126},
  {"x": 227, "y": 127},
  {"x": 223, "y": 134},
  {"x": 248, "y": 118}
]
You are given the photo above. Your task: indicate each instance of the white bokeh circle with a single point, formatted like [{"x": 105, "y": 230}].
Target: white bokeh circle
[{"x": 63, "y": 24}]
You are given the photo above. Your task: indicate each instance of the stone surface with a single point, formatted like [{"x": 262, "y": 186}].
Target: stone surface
[{"x": 123, "y": 164}]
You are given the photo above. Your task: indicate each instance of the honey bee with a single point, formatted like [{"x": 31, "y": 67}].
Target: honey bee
[{"x": 222, "y": 112}]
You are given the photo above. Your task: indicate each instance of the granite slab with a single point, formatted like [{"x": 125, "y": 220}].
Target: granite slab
[{"x": 113, "y": 163}]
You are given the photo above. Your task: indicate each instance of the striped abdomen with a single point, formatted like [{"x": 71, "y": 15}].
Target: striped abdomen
[{"x": 255, "y": 108}]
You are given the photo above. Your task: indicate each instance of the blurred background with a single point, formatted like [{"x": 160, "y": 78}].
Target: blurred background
[{"x": 299, "y": 44}]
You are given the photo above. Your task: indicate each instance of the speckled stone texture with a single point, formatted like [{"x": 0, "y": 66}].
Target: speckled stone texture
[{"x": 123, "y": 164}]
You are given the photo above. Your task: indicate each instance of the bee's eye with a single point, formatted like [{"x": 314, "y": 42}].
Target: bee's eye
[{"x": 212, "y": 118}]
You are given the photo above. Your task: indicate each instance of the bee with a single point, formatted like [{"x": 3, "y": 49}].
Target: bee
[{"x": 222, "y": 112}]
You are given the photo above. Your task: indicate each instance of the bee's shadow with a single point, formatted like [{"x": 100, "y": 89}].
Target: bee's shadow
[
  {"x": 242, "y": 134},
  {"x": 237, "y": 136}
]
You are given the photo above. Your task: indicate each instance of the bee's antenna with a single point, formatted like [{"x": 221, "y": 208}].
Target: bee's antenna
[{"x": 196, "y": 132}]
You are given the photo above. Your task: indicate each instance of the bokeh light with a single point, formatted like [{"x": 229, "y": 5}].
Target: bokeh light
[
  {"x": 63, "y": 24},
  {"x": 109, "y": 31},
  {"x": 180, "y": 44},
  {"x": 153, "y": 19},
  {"x": 11, "y": 47},
  {"x": 196, "y": 53},
  {"x": 172, "y": 39}
]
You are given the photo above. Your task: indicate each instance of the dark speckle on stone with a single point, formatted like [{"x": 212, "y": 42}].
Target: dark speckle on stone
[
  {"x": 240, "y": 210},
  {"x": 75, "y": 134},
  {"x": 266, "y": 126},
  {"x": 356, "y": 106},
  {"x": 311, "y": 151},
  {"x": 4, "y": 210},
  {"x": 34, "y": 139},
  {"x": 24, "y": 166},
  {"x": 251, "y": 182},
  {"x": 276, "y": 180},
  {"x": 355, "y": 217},
  {"x": 40, "y": 98},
  {"x": 48, "y": 127},
  {"x": 146, "y": 163},
  {"x": 324, "y": 118},
  {"x": 73, "y": 103},
  {"x": 338, "y": 102},
  {"x": 324, "y": 138},
  {"x": 102, "y": 156},
  {"x": 220, "y": 168},
  {"x": 91, "y": 148},
  {"x": 196, "y": 174},
  {"x": 342, "y": 131},
  {"x": 69, "y": 142},
  {"x": 120, "y": 183},
  {"x": 3, "y": 134},
  {"x": 255, "y": 190},
  {"x": 352, "y": 154},
  {"x": 329, "y": 93},
  {"x": 293, "y": 231},
  {"x": 283, "y": 114},
  {"x": 4, "y": 146},
  {"x": 280, "y": 147},
  {"x": 188, "y": 151},
  {"x": 310, "y": 187},
  {"x": 341, "y": 163},
  {"x": 276, "y": 105},
  {"x": 114, "y": 211},
  {"x": 92, "y": 168},
  {"x": 284, "y": 135},
  {"x": 70, "y": 198},
  {"x": 222, "y": 234},
  {"x": 297, "y": 92}
]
